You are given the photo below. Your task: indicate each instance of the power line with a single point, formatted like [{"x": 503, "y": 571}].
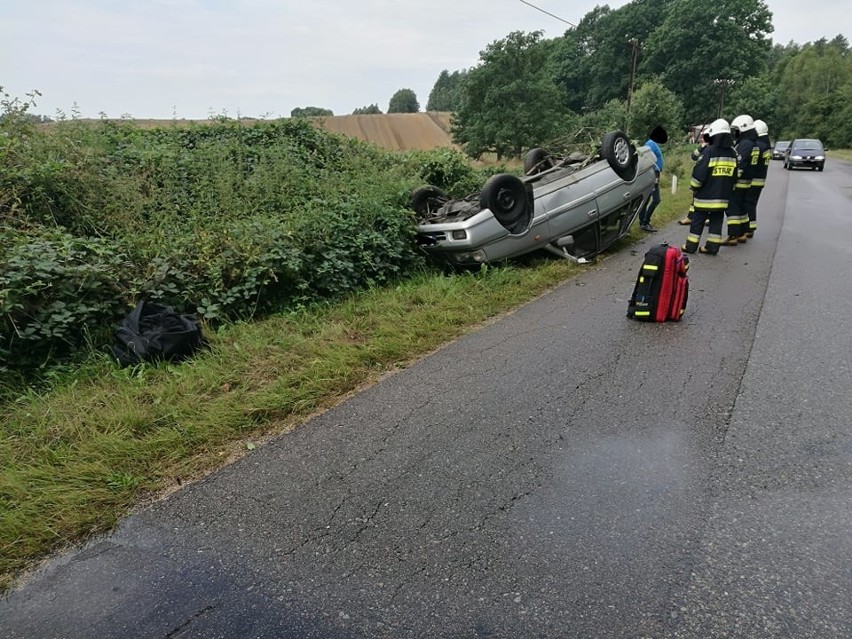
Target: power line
[{"x": 548, "y": 13}]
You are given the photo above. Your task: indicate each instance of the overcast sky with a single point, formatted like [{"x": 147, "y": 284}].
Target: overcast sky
[{"x": 262, "y": 58}]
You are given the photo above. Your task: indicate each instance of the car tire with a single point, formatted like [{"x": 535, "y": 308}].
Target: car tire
[
  {"x": 510, "y": 200},
  {"x": 820, "y": 167},
  {"x": 537, "y": 160},
  {"x": 621, "y": 155},
  {"x": 428, "y": 199}
]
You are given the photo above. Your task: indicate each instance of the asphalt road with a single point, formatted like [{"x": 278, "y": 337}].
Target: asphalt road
[{"x": 562, "y": 473}]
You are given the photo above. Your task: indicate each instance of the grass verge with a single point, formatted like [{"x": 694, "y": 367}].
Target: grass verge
[
  {"x": 76, "y": 458},
  {"x": 840, "y": 154}
]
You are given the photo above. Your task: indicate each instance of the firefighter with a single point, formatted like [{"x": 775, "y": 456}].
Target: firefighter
[
  {"x": 696, "y": 153},
  {"x": 713, "y": 178},
  {"x": 748, "y": 154},
  {"x": 758, "y": 181}
]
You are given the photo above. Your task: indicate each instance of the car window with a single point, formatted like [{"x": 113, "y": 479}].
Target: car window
[{"x": 807, "y": 144}]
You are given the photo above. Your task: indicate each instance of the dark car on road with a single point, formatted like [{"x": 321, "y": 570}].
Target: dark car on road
[
  {"x": 805, "y": 152},
  {"x": 779, "y": 148}
]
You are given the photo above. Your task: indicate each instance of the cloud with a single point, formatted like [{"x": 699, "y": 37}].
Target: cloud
[{"x": 189, "y": 58}]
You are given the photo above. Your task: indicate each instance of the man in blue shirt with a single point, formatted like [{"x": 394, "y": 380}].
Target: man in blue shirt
[{"x": 657, "y": 137}]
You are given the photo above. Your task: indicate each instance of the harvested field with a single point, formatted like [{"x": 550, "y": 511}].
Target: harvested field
[{"x": 393, "y": 131}]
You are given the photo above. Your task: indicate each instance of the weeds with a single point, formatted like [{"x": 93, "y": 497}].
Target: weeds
[{"x": 77, "y": 455}]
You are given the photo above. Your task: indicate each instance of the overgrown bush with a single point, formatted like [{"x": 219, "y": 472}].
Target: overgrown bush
[
  {"x": 246, "y": 268},
  {"x": 55, "y": 291},
  {"x": 225, "y": 219},
  {"x": 361, "y": 243},
  {"x": 448, "y": 169}
]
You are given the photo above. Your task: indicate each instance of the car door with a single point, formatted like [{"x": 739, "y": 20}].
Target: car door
[
  {"x": 618, "y": 203},
  {"x": 572, "y": 208}
]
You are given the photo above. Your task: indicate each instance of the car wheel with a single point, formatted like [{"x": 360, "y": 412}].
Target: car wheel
[
  {"x": 428, "y": 199},
  {"x": 820, "y": 167},
  {"x": 510, "y": 200},
  {"x": 537, "y": 160},
  {"x": 621, "y": 155}
]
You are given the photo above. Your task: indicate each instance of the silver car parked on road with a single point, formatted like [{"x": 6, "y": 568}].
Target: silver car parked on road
[{"x": 574, "y": 206}]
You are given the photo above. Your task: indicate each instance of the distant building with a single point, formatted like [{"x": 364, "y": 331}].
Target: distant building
[{"x": 695, "y": 132}]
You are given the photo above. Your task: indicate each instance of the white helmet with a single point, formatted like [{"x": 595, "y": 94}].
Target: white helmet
[
  {"x": 718, "y": 126},
  {"x": 761, "y": 128},
  {"x": 742, "y": 123}
]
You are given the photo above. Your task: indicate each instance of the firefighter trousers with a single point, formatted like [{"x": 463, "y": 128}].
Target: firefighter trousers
[
  {"x": 752, "y": 197},
  {"x": 696, "y": 228},
  {"x": 737, "y": 213}
]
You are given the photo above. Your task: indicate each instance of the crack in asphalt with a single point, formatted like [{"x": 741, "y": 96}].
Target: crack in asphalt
[{"x": 179, "y": 630}]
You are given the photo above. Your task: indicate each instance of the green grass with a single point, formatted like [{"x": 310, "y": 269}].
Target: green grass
[
  {"x": 77, "y": 457},
  {"x": 840, "y": 154}
]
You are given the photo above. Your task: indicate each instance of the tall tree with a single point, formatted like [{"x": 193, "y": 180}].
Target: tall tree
[
  {"x": 653, "y": 105},
  {"x": 510, "y": 99},
  {"x": 594, "y": 62},
  {"x": 759, "y": 97},
  {"x": 403, "y": 101},
  {"x": 446, "y": 95},
  {"x": 701, "y": 42},
  {"x": 816, "y": 84}
]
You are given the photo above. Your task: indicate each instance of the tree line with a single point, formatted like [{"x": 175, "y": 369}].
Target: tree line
[
  {"x": 678, "y": 63},
  {"x": 403, "y": 101}
]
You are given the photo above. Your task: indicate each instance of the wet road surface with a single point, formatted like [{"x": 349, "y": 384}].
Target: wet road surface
[{"x": 563, "y": 472}]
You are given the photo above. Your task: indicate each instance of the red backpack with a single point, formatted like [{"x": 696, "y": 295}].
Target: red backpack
[{"x": 661, "y": 287}]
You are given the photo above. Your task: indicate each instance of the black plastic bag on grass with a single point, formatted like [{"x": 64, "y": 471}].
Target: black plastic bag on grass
[{"x": 153, "y": 332}]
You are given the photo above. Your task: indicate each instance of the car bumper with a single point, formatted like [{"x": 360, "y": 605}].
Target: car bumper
[
  {"x": 477, "y": 240},
  {"x": 805, "y": 163}
]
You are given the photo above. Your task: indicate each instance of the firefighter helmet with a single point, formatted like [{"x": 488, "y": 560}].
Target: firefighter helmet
[
  {"x": 742, "y": 123},
  {"x": 718, "y": 126},
  {"x": 761, "y": 128}
]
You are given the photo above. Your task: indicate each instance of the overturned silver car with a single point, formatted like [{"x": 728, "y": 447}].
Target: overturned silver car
[{"x": 575, "y": 206}]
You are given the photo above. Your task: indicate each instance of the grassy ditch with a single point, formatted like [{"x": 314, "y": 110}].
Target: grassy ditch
[
  {"x": 840, "y": 154},
  {"x": 76, "y": 457}
]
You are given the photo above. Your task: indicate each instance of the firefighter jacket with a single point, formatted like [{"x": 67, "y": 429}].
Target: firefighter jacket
[
  {"x": 713, "y": 177},
  {"x": 764, "y": 160},
  {"x": 749, "y": 158}
]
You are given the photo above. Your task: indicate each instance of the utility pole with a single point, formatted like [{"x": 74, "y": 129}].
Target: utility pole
[
  {"x": 634, "y": 45},
  {"x": 723, "y": 84}
]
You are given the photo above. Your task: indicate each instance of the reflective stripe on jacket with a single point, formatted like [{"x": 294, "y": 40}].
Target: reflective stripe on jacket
[
  {"x": 764, "y": 149},
  {"x": 749, "y": 156},
  {"x": 713, "y": 177}
]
